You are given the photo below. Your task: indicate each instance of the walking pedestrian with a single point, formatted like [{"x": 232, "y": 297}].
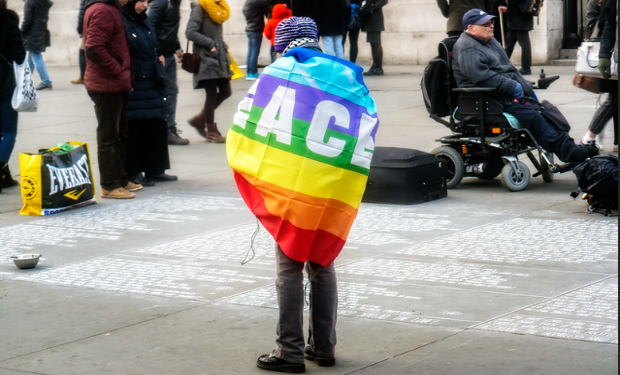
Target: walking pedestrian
[
  {"x": 11, "y": 50},
  {"x": 108, "y": 83},
  {"x": 37, "y": 37},
  {"x": 205, "y": 29}
]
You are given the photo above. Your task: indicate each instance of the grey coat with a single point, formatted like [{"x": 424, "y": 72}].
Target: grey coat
[
  {"x": 485, "y": 64},
  {"x": 213, "y": 64}
]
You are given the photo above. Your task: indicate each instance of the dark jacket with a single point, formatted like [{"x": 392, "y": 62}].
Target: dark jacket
[
  {"x": 148, "y": 98},
  {"x": 486, "y": 64},
  {"x": 609, "y": 39},
  {"x": 454, "y": 10},
  {"x": 255, "y": 12},
  {"x": 332, "y": 19},
  {"x": 11, "y": 47},
  {"x": 80, "y": 22},
  {"x": 108, "y": 65},
  {"x": 213, "y": 65},
  {"x": 371, "y": 12},
  {"x": 165, "y": 16},
  {"x": 35, "y": 34},
  {"x": 516, "y": 19}
]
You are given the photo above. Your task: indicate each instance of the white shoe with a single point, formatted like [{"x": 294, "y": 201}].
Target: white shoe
[{"x": 614, "y": 148}]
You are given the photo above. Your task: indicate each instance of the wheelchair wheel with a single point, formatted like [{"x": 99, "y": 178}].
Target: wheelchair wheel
[
  {"x": 455, "y": 165},
  {"x": 514, "y": 180},
  {"x": 547, "y": 175}
]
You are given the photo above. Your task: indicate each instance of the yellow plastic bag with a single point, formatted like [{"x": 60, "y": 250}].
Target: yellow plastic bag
[
  {"x": 57, "y": 179},
  {"x": 237, "y": 72}
]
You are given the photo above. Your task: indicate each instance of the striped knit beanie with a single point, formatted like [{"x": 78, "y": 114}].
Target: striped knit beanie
[{"x": 293, "y": 28}]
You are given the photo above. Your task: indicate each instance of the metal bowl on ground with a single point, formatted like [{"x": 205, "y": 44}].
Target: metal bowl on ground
[{"x": 25, "y": 261}]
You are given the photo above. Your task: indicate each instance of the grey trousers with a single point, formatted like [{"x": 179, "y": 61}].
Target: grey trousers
[
  {"x": 172, "y": 92},
  {"x": 323, "y": 308}
]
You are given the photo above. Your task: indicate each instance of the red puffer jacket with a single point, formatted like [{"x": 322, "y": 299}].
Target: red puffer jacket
[{"x": 108, "y": 65}]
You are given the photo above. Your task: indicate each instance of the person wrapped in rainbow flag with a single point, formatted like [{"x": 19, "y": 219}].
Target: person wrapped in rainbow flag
[{"x": 300, "y": 146}]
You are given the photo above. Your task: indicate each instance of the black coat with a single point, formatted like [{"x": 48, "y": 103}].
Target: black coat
[
  {"x": 165, "y": 16},
  {"x": 11, "y": 47},
  {"x": 255, "y": 12},
  {"x": 148, "y": 99},
  {"x": 34, "y": 28},
  {"x": 331, "y": 20},
  {"x": 372, "y": 15},
  {"x": 516, "y": 19}
]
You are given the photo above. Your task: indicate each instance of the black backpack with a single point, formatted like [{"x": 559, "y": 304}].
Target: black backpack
[
  {"x": 598, "y": 177},
  {"x": 437, "y": 81}
]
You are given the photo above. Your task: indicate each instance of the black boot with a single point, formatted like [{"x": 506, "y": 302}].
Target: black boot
[{"x": 7, "y": 178}]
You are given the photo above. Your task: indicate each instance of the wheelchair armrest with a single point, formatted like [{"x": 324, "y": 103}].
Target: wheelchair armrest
[{"x": 473, "y": 90}]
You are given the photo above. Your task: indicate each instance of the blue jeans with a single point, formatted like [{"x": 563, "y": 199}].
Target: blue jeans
[
  {"x": 254, "y": 41},
  {"x": 35, "y": 60},
  {"x": 8, "y": 128},
  {"x": 323, "y": 308},
  {"x": 552, "y": 140},
  {"x": 172, "y": 92},
  {"x": 333, "y": 45}
]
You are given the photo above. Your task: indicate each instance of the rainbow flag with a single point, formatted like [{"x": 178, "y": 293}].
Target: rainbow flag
[{"x": 300, "y": 147}]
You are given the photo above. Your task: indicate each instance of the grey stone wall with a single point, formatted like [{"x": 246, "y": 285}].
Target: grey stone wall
[{"x": 413, "y": 30}]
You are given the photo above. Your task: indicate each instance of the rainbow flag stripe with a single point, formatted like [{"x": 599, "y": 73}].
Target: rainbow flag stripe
[{"x": 300, "y": 147}]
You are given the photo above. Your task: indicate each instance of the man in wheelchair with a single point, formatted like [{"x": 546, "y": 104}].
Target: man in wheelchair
[{"x": 478, "y": 60}]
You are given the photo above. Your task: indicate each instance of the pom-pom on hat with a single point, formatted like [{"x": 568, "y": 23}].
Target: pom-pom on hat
[{"x": 293, "y": 28}]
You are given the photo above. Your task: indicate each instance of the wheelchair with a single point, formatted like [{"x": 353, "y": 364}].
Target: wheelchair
[{"x": 485, "y": 142}]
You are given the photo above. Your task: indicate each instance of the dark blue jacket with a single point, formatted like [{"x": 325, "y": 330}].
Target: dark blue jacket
[{"x": 148, "y": 98}]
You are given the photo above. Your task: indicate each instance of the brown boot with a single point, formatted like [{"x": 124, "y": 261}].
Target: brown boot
[
  {"x": 198, "y": 123},
  {"x": 214, "y": 135}
]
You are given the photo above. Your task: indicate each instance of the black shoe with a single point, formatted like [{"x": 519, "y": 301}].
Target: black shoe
[
  {"x": 582, "y": 153},
  {"x": 320, "y": 361},
  {"x": 7, "y": 180},
  {"x": 44, "y": 86},
  {"x": 374, "y": 71},
  {"x": 525, "y": 71},
  {"x": 270, "y": 362},
  {"x": 141, "y": 180},
  {"x": 175, "y": 139},
  {"x": 161, "y": 177}
]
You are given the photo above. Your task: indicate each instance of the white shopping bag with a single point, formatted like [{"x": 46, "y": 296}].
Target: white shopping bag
[{"x": 25, "y": 95}]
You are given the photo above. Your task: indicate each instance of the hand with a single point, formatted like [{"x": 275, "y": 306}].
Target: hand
[
  {"x": 214, "y": 49},
  {"x": 604, "y": 66},
  {"x": 179, "y": 55},
  {"x": 502, "y": 9},
  {"x": 163, "y": 60}
]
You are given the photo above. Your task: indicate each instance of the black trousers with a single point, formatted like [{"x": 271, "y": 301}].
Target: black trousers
[
  {"x": 147, "y": 147},
  {"x": 523, "y": 37},
  {"x": 112, "y": 134}
]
